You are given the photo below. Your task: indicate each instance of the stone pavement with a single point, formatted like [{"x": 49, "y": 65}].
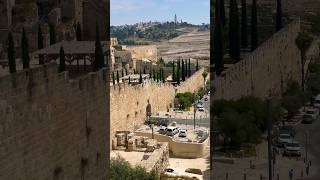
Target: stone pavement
[{"x": 241, "y": 166}]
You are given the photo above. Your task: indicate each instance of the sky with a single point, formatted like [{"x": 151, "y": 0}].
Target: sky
[{"x": 134, "y": 11}]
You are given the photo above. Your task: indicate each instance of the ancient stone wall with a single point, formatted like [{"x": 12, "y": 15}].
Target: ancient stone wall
[
  {"x": 52, "y": 127},
  {"x": 5, "y": 13},
  {"x": 128, "y": 103},
  {"x": 266, "y": 70}
]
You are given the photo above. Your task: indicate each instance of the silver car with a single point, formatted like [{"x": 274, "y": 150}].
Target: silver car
[{"x": 292, "y": 149}]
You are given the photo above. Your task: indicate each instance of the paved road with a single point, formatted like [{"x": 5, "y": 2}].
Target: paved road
[{"x": 313, "y": 148}]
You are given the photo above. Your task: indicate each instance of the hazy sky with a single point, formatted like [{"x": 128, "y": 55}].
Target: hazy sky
[{"x": 133, "y": 11}]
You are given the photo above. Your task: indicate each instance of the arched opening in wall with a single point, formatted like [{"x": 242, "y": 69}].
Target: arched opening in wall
[
  {"x": 58, "y": 173},
  {"x": 135, "y": 114},
  {"x": 137, "y": 103}
]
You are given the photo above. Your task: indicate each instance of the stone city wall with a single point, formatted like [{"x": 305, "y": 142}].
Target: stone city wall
[
  {"x": 140, "y": 52},
  {"x": 52, "y": 127},
  {"x": 266, "y": 70},
  {"x": 193, "y": 83}
]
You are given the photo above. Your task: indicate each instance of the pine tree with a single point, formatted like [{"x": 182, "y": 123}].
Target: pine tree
[
  {"x": 178, "y": 72},
  {"x": 182, "y": 71},
  {"x": 98, "y": 62},
  {"x": 25, "y": 50},
  {"x": 118, "y": 80},
  {"x": 40, "y": 44},
  {"x": 279, "y": 15},
  {"x": 234, "y": 33},
  {"x": 52, "y": 33},
  {"x": 140, "y": 78},
  {"x": 173, "y": 72},
  {"x": 78, "y": 32},
  {"x": 244, "y": 28},
  {"x": 218, "y": 43},
  {"x": 254, "y": 26},
  {"x": 113, "y": 79},
  {"x": 62, "y": 65},
  {"x": 11, "y": 54}
]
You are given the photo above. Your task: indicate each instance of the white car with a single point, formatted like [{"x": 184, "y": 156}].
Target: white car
[
  {"x": 284, "y": 139},
  {"x": 163, "y": 130},
  {"x": 183, "y": 133},
  {"x": 171, "y": 131},
  {"x": 201, "y": 109},
  {"x": 199, "y": 105},
  {"x": 317, "y": 101},
  {"x": 292, "y": 149},
  {"x": 310, "y": 115}
]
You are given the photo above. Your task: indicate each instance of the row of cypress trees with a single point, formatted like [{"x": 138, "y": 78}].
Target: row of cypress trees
[
  {"x": 182, "y": 70},
  {"x": 97, "y": 64},
  {"x": 238, "y": 37}
]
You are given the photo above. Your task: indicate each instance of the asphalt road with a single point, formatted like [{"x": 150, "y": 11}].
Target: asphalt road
[{"x": 313, "y": 147}]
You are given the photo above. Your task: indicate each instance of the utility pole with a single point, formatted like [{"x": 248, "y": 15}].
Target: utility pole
[
  {"x": 269, "y": 138},
  {"x": 194, "y": 111}
]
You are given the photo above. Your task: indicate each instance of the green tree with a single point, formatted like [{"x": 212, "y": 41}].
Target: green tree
[
  {"x": 279, "y": 15},
  {"x": 129, "y": 80},
  {"x": 144, "y": 70},
  {"x": 62, "y": 65},
  {"x": 52, "y": 33},
  {"x": 183, "y": 71},
  {"x": 244, "y": 25},
  {"x": 303, "y": 41},
  {"x": 222, "y": 11},
  {"x": 122, "y": 73},
  {"x": 134, "y": 71},
  {"x": 163, "y": 77},
  {"x": 254, "y": 26},
  {"x": 118, "y": 79},
  {"x": 40, "y": 43},
  {"x": 150, "y": 74},
  {"x": 185, "y": 100},
  {"x": 98, "y": 62},
  {"x": 173, "y": 72},
  {"x": 140, "y": 78},
  {"x": 11, "y": 54},
  {"x": 78, "y": 32},
  {"x": 178, "y": 72},
  {"x": 113, "y": 79},
  {"x": 197, "y": 66},
  {"x": 154, "y": 75},
  {"x": 25, "y": 50},
  {"x": 234, "y": 32},
  {"x": 157, "y": 76},
  {"x": 189, "y": 68}
]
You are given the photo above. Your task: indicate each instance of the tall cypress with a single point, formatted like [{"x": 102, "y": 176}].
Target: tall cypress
[
  {"x": 173, "y": 72},
  {"x": 134, "y": 71},
  {"x": 78, "y": 32},
  {"x": 182, "y": 71},
  {"x": 126, "y": 71},
  {"x": 222, "y": 15},
  {"x": 254, "y": 26},
  {"x": 40, "y": 44},
  {"x": 62, "y": 64},
  {"x": 144, "y": 70},
  {"x": 158, "y": 76},
  {"x": 197, "y": 66},
  {"x": 218, "y": 43},
  {"x": 129, "y": 80},
  {"x": 178, "y": 72},
  {"x": 186, "y": 69},
  {"x": 122, "y": 73},
  {"x": 150, "y": 76},
  {"x": 234, "y": 34},
  {"x": 279, "y": 15},
  {"x": 244, "y": 28},
  {"x": 98, "y": 62},
  {"x": 11, "y": 54},
  {"x": 140, "y": 78},
  {"x": 25, "y": 50},
  {"x": 163, "y": 77},
  {"x": 52, "y": 33},
  {"x": 113, "y": 79},
  {"x": 118, "y": 80},
  {"x": 189, "y": 68},
  {"x": 154, "y": 75}
]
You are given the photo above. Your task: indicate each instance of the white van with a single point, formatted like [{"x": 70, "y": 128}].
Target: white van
[
  {"x": 171, "y": 131},
  {"x": 317, "y": 101}
]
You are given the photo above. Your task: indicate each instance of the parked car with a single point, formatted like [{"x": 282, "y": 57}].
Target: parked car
[
  {"x": 183, "y": 133},
  {"x": 199, "y": 105},
  {"x": 209, "y": 93},
  {"x": 163, "y": 130},
  {"x": 292, "y": 149},
  {"x": 201, "y": 109},
  {"x": 310, "y": 115},
  {"x": 287, "y": 130},
  {"x": 317, "y": 101},
  {"x": 284, "y": 139},
  {"x": 171, "y": 131}
]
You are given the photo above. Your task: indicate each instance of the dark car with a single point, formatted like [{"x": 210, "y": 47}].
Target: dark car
[{"x": 287, "y": 130}]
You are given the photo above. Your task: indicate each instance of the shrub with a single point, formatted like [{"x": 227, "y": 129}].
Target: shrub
[{"x": 185, "y": 100}]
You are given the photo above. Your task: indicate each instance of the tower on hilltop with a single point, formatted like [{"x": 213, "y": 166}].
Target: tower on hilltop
[{"x": 175, "y": 19}]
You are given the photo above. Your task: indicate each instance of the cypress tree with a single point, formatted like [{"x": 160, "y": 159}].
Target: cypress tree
[
  {"x": 52, "y": 33},
  {"x": 178, "y": 72},
  {"x": 134, "y": 71},
  {"x": 113, "y": 79},
  {"x": 25, "y": 50},
  {"x": 154, "y": 75},
  {"x": 254, "y": 26},
  {"x": 244, "y": 28},
  {"x": 62, "y": 65},
  {"x": 129, "y": 80},
  {"x": 144, "y": 70},
  {"x": 173, "y": 72},
  {"x": 140, "y": 78},
  {"x": 150, "y": 76},
  {"x": 189, "y": 67},
  {"x": 126, "y": 71},
  {"x": 11, "y": 54},
  {"x": 122, "y": 73},
  {"x": 163, "y": 77},
  {"x": 218, "y": 43},
  {"x": 118, "y": 80},
  {"x": 223, "y": 16},
  {"x": 40, "y": 43},
  {"x": 234, "y": 33},
  {"x": 279, "y": 15},
  {"x": 98, "y": 62},
  {"x": 182, "y": 71},
  {"x": 197, "y": 66},
  {"x": 78, "y": 32},
  {"x": 158, "y": 76},
  {"x": 186, "y": 69}
]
